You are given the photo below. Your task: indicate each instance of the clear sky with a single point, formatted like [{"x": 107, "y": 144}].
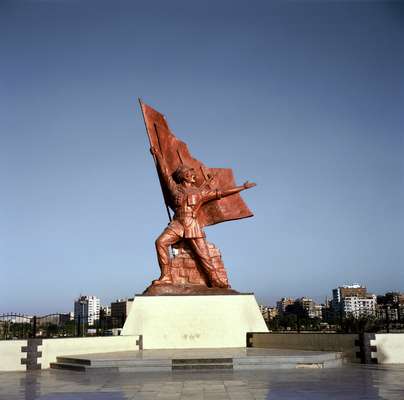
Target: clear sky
[{"x": 304, "y": 97}]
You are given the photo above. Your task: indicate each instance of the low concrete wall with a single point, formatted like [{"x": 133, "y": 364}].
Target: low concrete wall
[
  {"x": 52, "y": 348},
  {"x": 11, "y": 355},
  {"x": 348, "y": 344},
  {"x": 389, "y": 348},
  {"x": 22, "y": 355}
]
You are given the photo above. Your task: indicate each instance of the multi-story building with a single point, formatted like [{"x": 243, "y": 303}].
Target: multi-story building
[
  {"x": 283, "y": 303},
  {"x": 390, "y": 307},
  {"x": 106, "y": 311},
  {"x": 120, "y": 310},
  {"x": 309, "y": 307},
  {"x": 347, "y": 291},
  {"x": 401, "y": 305},
  {"x": 318, "y": 311},
  {"x": 272, "y": 312},
  {"x": 401, "y": 311},
  {"x": 387, "y": 313},
  {"x": 327, "y": 311},
  {"x": 359, "y": 306},
  {"x": 87, "y": 309},
  {"x": 268, "y": 312},
  {"x": 353, "y": 300}
]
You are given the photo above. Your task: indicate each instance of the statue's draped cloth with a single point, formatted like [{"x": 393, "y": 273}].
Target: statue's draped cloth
[{"x": 175, "y": 152}]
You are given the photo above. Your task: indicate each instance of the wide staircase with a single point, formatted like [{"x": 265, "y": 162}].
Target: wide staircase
[{"x": 200, "y": 359}]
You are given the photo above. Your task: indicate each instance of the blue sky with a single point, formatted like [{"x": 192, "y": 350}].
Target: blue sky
[{"x": 304, "y": 97}]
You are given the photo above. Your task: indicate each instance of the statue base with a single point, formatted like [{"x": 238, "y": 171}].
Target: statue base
[
  {"x": 194, "y": 321},
  {"x": 170, "y": 289}
]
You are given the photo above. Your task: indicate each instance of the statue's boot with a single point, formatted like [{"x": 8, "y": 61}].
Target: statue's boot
[
  {"x": 165, "y": 277},
  {"x": 216, "y": 281}
]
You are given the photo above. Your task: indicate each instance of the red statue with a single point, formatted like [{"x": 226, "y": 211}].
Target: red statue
[{"x": 198, "y": 196}]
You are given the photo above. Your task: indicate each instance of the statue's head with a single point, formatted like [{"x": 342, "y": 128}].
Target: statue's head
[{"x": 184, "y": 173}]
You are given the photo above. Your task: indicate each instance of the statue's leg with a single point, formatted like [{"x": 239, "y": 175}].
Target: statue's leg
[
  {"x": 200, "y": 248},
  {"x": 163, "y": 242}
]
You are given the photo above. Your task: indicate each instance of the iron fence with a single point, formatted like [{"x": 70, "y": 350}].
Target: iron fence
[
  {"x": 386, "y": 319},
  {"x": 21, "y": 326}
]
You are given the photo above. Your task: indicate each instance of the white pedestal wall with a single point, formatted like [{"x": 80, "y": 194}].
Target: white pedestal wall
[{"x": 191, "y": 321}]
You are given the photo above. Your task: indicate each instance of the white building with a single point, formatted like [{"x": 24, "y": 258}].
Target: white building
[
  {"x": 318, "y": 311},
  {"x": 341, "y": 292},
  {"x": 87, "y": 309},
  {"x": 353, "y": 300},
  {"x": 359, "y": 306}
]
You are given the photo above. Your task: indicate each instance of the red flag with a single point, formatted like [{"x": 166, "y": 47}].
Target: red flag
[{"x": 175, "y": 152}]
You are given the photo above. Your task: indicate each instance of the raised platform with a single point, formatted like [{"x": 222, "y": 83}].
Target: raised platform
[
  {"x": 199, "y": 359},
  {"x": 194, "y": 321}
]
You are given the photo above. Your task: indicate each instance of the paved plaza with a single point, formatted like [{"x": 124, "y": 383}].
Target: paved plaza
[{"x": 352, "y": 382}]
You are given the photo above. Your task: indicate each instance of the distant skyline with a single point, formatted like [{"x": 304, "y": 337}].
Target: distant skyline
[{"x": 305, "y": 98}]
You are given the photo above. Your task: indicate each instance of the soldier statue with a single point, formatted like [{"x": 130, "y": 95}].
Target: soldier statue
[{"x": 187, "y": 199}]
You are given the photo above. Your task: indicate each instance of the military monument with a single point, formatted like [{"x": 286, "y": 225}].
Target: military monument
[{"x": 191, "y": 304}]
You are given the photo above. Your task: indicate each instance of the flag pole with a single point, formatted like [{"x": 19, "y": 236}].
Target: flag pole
[{"x": 155, "y": 160}]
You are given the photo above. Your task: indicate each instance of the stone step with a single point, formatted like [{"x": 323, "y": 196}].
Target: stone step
[
  {"x": 332, "y": 361},
  {"x": 94, "y": 363},
  {"x": 180, "y": 361},
  {"x": 201, "y": 366},
  {"x": 87, "y": 365},
  {"x": 68, "y": 366},
  {"x": 70, "y": 360},
  {"x": 307, "y": 359},
  {"x": 171, "y": 360},
  {"x": 202, "y": 363}
]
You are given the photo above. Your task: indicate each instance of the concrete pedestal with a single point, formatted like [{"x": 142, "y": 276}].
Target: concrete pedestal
[{"x": 192, "y": 321}]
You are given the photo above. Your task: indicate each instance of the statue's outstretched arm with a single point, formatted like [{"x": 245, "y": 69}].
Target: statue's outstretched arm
[{"x": 237, "y": 189}]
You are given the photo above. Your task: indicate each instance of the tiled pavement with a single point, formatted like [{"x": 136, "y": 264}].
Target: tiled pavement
[{"x": 348, "y": 383}]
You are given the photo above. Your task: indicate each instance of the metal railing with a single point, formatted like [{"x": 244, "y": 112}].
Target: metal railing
[
  {"x": 386, "y": 319},
  {"x": 15, "y": 326}
]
